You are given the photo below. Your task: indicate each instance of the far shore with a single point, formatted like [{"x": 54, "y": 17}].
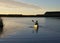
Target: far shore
[{"x": 47, "y": 14}]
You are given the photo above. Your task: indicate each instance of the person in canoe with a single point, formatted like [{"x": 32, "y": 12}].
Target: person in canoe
[{"x": 36, "y": 25}]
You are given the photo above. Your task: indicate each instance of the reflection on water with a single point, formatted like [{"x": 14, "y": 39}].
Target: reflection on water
[
  {"x": 1, "y": 31},
  {"x": 36, "y": 26},
  {"x": 16, "y": 29},
  {"x": 12, "y": 26},
  {"x": 35, "y": 29}
]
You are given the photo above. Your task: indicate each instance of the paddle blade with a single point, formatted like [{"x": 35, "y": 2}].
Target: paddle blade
[{"x": 32, "y": 20}]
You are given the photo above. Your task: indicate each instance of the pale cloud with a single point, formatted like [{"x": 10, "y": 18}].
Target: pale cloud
[
  {"x": 10, "y": 3},
  {"x": 13, "y": 7}
]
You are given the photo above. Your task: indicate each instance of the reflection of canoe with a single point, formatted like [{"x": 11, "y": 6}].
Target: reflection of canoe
[{"x": 36, "y": 28}]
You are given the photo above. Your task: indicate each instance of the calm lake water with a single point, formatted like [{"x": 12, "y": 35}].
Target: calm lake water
[{"x": 21, "y": 30}]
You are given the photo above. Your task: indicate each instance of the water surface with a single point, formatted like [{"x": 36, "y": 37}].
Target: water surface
[{"x": 22, "y": 30}]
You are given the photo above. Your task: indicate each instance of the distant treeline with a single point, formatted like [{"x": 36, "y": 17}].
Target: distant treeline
[
  {"x": 56, "y": 14},
  {"x": 17, "y": 15},
  {"x": 47, "y": 14}
]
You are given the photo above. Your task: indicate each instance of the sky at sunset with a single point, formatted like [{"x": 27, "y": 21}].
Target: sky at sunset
[{"x": 28, "y": 7}]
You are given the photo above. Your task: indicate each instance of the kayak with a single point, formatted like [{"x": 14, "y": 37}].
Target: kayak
[{"x": 35, "y": 27}]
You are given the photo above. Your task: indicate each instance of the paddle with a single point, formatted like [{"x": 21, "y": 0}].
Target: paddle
[{"x": 32, "y": 20}]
